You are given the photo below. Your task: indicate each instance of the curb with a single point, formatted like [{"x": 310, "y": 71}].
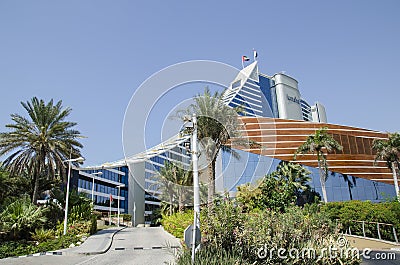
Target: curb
[
  {"x": 60, "y": 253},
  {"x": 102, "y": 251},
  {"x": 49, "y": 253}
]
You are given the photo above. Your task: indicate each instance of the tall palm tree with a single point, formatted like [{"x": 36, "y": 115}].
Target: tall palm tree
[
  {"x": 388, "y": 150},
  {"x": 318, "y": 143},
  {"x": 40, "y": 143},
  {"x": 184, "y": 182},
  {"x": 166, "y": 184},
  {"x": 217, "y": 124},
  {"x": 174, "y": 183}
]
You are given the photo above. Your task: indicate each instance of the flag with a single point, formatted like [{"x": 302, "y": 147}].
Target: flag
[
  {"x": 245, "y": 58},
  {"x": 111, "y": 199},
  {"x": 255, "y": 54}
]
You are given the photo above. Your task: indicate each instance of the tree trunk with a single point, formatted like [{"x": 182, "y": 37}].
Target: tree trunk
[
  {"x": 170, "y": 205},
  {"x": 38, "y": 171},
  {"x": 35, "y": 195},
  {"x": 396, "y": 183},
  {"x": 322, "y": 179},
  {"x": 180, "y": 203},
  {"x": 211, "y": 183}
]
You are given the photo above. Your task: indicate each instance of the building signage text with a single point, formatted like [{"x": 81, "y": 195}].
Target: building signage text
[{"x": 293, "y": 99}]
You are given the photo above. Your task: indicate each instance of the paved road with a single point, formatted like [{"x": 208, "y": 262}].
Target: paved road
[{"x": 139, "y": 246}]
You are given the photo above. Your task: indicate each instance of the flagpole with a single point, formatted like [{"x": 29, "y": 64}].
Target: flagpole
[
  {"x": 255, "y": 54},
  {"x": 242, "y": 63},
  {"x": 109, "y": 214}
]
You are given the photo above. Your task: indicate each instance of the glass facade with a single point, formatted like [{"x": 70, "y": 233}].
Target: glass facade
[
  {"x": 153, "y": 165},
  {"x": 257, "y": 96},
  {"x": 251, "y": 167},
  {"x": 105, "y": 187},
  {"x": 306, "y": 110},
  {"x": 245, "y": 92},
  {"x": 268, "y": 90}
]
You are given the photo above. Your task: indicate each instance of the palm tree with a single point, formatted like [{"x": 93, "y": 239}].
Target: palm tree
[
  {"x": 166, "y": 184},
  {"x": 317, "y": 143},
  {"x": 185, "y": 181},
  {"x": 174, "y": 182},
  {"x": 388, "y": 150},
  {"x": 217, "y": 124},
  {"x": 39, "y": 144},
  {"x": 295, "y": 175},
  {"x": 276, "y": 190}
]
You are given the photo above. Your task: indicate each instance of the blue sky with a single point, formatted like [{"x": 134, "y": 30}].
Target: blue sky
[{"x": 94, "y": 54}]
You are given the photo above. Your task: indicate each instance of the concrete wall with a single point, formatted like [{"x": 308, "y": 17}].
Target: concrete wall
[{"x": 136, "y": 192}]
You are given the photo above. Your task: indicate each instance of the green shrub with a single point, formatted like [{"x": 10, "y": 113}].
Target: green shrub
[
  {"x": 97, "y": 214},
  {"x": 54, "y": 213},
  {"x": 93, "y": 225},
  {"x": 228, "y": 229},
  {"x": 211, "y": 256},
  {"x": 176, "y": 223},
  {"x": 22, "y": 247},
  {"x": 126, "y": 217},
  {"x": 286, "y": 186},
  {"x": 42, "y": 235},
  {"x": 81, "y": 212},
  {"x": 59, "y": 230},
  {"x": 15, "y": 248},
  {"x": 80, "y": 228},
  {"x": 49, "y": 240},
  {"x": 20, "y": 218},
  {"x": 346, "y": 213}
]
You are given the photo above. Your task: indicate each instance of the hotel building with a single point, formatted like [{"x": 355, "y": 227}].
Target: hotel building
[{"x": 274, "y": 115}]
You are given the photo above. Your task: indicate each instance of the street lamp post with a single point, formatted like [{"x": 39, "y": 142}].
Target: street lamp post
[
  {"x": 79, "y": 159},
  {"x": 97, "y": 173},
  {"x": 196, "y": 188},
  {"x": 119, "y": 194}
]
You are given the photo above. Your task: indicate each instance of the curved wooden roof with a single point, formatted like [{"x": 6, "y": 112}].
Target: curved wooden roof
[{"x": 279, "y": 138}]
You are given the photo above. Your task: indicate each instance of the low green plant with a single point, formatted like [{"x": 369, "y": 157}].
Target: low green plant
[
  {"x": 80, "y": 228},
  {"x": 210, "y": 256},
  {"x": 177, "y": 222},
  {"x": 21, "y": 217},
  {"x": 15, "y": 248},
  {"x": 23, "y": 247},
  {"x": 42, "y": 235}
]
